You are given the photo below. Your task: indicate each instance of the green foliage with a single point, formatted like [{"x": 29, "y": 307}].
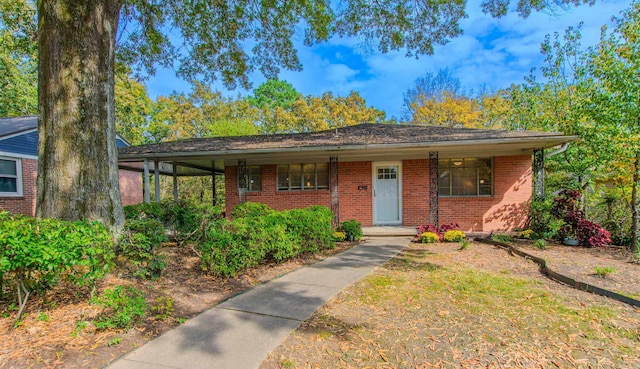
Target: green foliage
[
  {"x": 454, "y": 236},
  {"x": 604, "y": 272},
  {"x": 502, "y": 238},
  {"x": 18, "y": 58},
  {"x": 352, "y": 229},
  {"x": 140, "y": 243},
  {"x": 540, "y": 244},
  {"x": 163, "y": 307},
  {"x": 114, "y": 341},
  {"x": 186, "y": 219},
  {"x": 465, "y": 244},
  {"x": 39, "y": 253},
  {"x": 259, "y": 233},
  {"x": 541, "y": 221},
  {"x": 251, "y": 210},
  {"x": 124, "y": 307},
  {"x": 339, "y": 236},
  {"x": 528, "y": 234},
  {"x": 274, "y": 93},
  {"x": 429, "y": 237}
]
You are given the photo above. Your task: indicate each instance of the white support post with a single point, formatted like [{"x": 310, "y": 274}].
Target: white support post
[
  {"x": 146, "y": 186},
  {"x": 157, "y": 179},
  {"x": 175, "y": 182}
]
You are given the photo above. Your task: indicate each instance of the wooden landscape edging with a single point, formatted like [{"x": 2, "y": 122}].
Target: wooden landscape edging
[{"x": 544, "y": 269}]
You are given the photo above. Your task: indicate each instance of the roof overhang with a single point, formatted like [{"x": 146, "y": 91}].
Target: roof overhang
[{"x": 194, "y": 163}]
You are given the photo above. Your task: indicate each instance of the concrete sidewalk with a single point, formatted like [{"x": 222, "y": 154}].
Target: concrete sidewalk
[{"x": 240, "y": 332}]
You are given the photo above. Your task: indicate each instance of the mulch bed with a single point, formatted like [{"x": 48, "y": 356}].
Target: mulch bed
[{"x": 52, "y": 334}]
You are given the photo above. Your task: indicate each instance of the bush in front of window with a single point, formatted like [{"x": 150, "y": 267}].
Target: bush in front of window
[
  {"x": 429, "y": 237},
  {"x": 454, "y": 236},
  {"x": 258, "y": 233}
]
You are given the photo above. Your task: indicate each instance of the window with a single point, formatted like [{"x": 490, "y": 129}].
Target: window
[
  {"x": 303, "y": 177},
  {"x": 465, "y": 177},
  {"x": 253, "y": 179},
  {"x": 10, "y": 177}
]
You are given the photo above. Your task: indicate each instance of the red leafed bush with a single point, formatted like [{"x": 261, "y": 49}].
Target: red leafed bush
[
  {"x": 444, "y": 228},
  {"x": 591, "y": 234}
]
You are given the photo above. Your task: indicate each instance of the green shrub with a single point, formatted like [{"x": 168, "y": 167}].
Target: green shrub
[
  {"x": 39, "y": 253},
  {"x": 339, "y": 236},
  {"x": 124, "y": 307},
  {"x": 251, "y": 210},
  {"x": 528, "y": 234},
  {"x": 186, "y": 219},
  {"x": 140, "y": 244},
  {"x": 312, "y": 226},
  {"x": 429, "y": 237},
  {"x": 163, "y": 307},
  {"x": 540, "y": 244},
  {"x": 352, "y": 229},
  {"x": 258, "y": 233},
  {"x": 453, "y": 236}
]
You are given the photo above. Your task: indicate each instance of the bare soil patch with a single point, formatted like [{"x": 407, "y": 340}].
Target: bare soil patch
[
  {"x": 435, "y": 306},
  {"x": 58, "y": 333}
]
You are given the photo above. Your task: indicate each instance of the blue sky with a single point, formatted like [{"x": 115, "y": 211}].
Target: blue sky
[{"x": 491, "y": 52}]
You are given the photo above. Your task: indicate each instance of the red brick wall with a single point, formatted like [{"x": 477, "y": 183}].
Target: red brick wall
[
  {"x": 278, "y": 200},
  {"x": 130, "y": 188},
  {"x": 354, "y": 203},
  {"x": 505, "y": 210},
  {"x": 26, "y": 204},
  {"x": 415, "y": 192}
]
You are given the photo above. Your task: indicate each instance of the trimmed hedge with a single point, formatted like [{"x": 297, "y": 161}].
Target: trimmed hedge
[{"x": 258, "y": 233}]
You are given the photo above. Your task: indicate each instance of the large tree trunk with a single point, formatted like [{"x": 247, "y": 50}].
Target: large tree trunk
[{"x": 77, "y": 157}]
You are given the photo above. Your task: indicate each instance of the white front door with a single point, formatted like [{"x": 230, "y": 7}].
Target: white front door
[{"x": 386, "y": 193}]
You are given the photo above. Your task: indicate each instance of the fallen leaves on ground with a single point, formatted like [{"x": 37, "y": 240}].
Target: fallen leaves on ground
[{"x": 435, "y": 306}]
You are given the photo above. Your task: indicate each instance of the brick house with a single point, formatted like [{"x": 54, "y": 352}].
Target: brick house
[
  {"x": 19, "y": 167},
  {"x": 378, "y": 174}
]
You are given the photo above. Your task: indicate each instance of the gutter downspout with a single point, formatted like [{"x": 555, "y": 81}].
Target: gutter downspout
[{"x": 557, "y": 151}]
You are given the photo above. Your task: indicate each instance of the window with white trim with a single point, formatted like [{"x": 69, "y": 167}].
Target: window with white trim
[
  {"x": 465, "y": 177},
  {"x": 253, "y": 179},
  {"x": 293, "y": 177},
  {"x": 10, "y": 177}
]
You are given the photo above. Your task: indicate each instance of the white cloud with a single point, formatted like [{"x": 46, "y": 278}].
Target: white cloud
[{"x": 493, "y": 52}]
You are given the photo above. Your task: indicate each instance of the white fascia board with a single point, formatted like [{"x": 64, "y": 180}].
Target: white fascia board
[
  {"x": 433, "y": 145},
  {"x": 17, "y": 156}
]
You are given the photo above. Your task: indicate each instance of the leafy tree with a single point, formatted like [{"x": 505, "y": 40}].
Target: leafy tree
[
  {"x": 495, "y": 109},
  {"x": 449, "y": 111},
  {"x": 18, "y": 59},
  {"x": 133, "y": 107},
  {"x": 274, "y": 93},
  {"x": 78, "y": 172},
  {"x": 430, "y": 87},
  {"x": 312, "y": 113},
  {"x": 201, "y": 113},
  {"x": 615, "y": 69}
]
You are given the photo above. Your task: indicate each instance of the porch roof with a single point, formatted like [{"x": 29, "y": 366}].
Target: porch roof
[{"x": 370, "y": 142}]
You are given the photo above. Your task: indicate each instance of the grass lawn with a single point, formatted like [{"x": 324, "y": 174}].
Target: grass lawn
[{"x": 425, "y": 309}]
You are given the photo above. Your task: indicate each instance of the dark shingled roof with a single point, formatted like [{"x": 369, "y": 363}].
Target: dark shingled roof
[
  {"x": 13, "y": 125},
  {"x": 353, "y": 136}
]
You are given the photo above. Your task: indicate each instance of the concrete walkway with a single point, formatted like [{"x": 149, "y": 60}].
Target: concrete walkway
[{"x": 240, "y": 332}]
